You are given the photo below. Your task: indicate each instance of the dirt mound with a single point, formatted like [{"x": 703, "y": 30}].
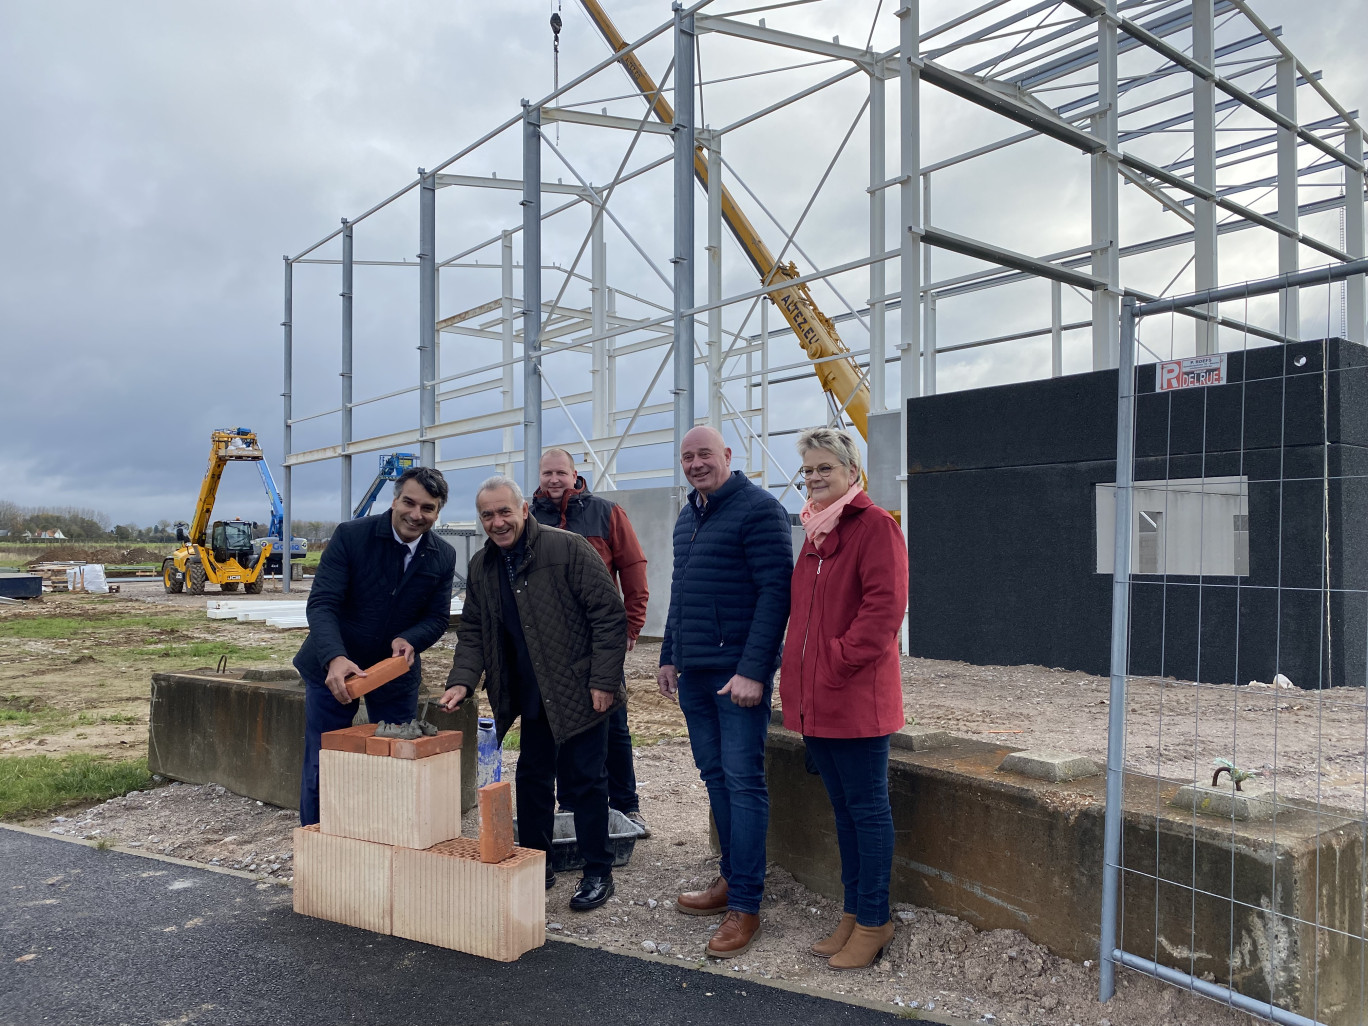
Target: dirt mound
[{"x": 115, "y": 554}]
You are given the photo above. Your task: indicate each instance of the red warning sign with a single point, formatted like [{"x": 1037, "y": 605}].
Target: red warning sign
[{"x": 1193, "y": 372}]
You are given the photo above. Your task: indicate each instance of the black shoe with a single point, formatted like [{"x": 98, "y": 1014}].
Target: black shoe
[
  {"x": 550, "y": 880},
  {"x": 592, "y": 892}
]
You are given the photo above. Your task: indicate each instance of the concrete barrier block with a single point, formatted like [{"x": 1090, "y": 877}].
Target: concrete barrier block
[
  {"x": 414, "y": 803},
  {"x": 1049, "y": 764},
  {"x": 920, "y": 739},
  {"x": 1225, "y": 802},
  {"x": 208, "y": 728},
  {"x": 342, "y": 879},
  {"x": 446, "y": 896},
  {"x": 211, "y": 728},
  {"x": 1273, "y": 908}
]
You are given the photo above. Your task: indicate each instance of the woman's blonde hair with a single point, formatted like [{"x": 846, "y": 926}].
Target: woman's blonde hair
[{"x": 833, "y": 440}]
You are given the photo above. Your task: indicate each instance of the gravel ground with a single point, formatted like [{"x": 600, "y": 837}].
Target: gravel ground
[{"x": 936, "y": 964}]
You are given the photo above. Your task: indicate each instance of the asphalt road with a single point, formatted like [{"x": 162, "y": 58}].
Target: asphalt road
[{"x": 89, "y": 936}]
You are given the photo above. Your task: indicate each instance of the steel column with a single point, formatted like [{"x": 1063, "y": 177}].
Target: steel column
[
  {"x": 1289, "y": 305},
  {"x": 287, "y": 395},
  {"x": 507, "y": 330},
  {"x": 764, "y": 393},
  {"x": 928, "y": 301},
  {"x": 427, "y": 315},
  {"x": 1354, "y": 243},
  {"x": 346, "y": 367},
  {"x": 683, "y": 129},
  {"x": 1120, "y": 635},
  {"x": 1056, "y": 329},
  {"x": 531, "y": 204},
  {"x": 715, "y": 280},
  {"x": 601, "y": 404},
  {"x": 909, "y": 197},
  {"x": 878, "y": 344},
  {"x": 1106, "y": 198},
  {"x": 1204, "y": 163}
]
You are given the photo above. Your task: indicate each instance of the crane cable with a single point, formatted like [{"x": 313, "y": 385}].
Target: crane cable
[{"x": 556, "y": 24}]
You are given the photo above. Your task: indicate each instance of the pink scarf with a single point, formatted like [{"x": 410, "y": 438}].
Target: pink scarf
[{"x": 820, "y": 523}]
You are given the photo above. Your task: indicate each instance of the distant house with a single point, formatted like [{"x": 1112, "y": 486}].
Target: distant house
[
  {"x": 54, "y": 535},
  {"x": 4, "y": 532}
]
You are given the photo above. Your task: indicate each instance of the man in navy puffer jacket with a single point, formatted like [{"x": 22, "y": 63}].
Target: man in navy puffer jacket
[{"x": 729, "y": 603}]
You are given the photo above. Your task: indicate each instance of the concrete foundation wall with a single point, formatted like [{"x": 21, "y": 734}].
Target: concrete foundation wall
[
  {"x": 249, "y": 735},
  {"x": 1003, "y": 851}
]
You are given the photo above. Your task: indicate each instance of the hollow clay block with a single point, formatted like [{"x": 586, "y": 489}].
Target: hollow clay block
[
  {"x": 342, "y": 879},
  {"x": 378, "y": 745},
  {"x": 421, "y": 748},
  {"x": 349, "y": 739},
  {"x": 382, "y": 672},
  {"x": 446, "y": 896},
  {"x": 496, "y": 821}
]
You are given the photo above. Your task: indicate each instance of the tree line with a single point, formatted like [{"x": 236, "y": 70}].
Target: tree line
[{"x": 83, "y": 524}]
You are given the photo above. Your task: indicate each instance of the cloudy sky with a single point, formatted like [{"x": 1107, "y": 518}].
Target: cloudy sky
[{"x": 161, "y": 157}]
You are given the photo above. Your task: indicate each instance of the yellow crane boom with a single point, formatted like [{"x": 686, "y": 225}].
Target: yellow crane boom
[{"x": 815, "y": 331}]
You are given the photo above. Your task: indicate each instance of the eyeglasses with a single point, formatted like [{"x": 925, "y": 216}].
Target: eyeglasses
[{"x": 823, "y": 471}]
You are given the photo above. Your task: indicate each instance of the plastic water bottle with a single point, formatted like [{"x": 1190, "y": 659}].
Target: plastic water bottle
[{"x": 490, "y": 756}]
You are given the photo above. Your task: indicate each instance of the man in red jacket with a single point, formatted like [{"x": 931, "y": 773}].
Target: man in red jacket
[{"x": 564, "y": 501}]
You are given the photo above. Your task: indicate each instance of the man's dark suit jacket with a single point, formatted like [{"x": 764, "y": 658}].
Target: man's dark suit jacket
[{"x": 362, "y": 598}]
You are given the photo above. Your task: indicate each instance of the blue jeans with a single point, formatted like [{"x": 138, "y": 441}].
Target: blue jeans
[
  {"x": 728, "y": 745},
  {"x": 855, "y": 772},
  {"x": 395, "y": 702}
]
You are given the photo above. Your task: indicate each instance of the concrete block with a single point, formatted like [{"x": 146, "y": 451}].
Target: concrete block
[
  {"x": 1274, "y": 908},
  {"x": 496, "y": 821},
  {"x": 349, "y": 739},
  {"x": 414, "y": 803},
  {"x": 342, "y": 879},
  {"x": 446, "y": 896},
  {"x": 382, "y": 672},
  {"x": 1048, "y": 764},
  {"x": 1225, "y": 802},
  {"x": 210, "y": 728},
  {"x": 378, "y": 746},
  {"x": 920, "y": 739},
  {"x": 425, "y": 747}
]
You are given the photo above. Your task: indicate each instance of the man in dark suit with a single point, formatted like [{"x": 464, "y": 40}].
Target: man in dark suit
[{"x": 383, "y": 588}]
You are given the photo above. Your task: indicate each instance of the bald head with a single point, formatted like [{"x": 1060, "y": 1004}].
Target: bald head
[{"x": 706, "y": 459}]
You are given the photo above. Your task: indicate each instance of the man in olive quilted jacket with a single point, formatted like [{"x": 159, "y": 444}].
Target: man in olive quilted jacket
[{"x": 544, "y": 623}]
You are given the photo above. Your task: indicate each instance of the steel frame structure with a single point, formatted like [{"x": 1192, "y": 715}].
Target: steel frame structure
[{"x": 1192, "y": 110}]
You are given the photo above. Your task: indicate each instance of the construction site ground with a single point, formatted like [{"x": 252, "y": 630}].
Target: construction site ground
[{"x": 79, "y": 667}]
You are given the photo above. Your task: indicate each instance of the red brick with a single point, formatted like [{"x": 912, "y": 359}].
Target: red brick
[
  {"x": 496, "y": 821},
  {"x": 349, "y": 739},
  {"x": 422, "y": 747},
  {"x": 378, "y": 745},
  {"x": 382, "y": 672}
]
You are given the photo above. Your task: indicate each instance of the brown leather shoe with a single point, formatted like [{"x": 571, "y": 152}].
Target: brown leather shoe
[
  {"x": 865, "y": 945},
  {"x": 711, "y": 901},
  {"x": 734, "y": 935},
  {"x": 836, "y": 939}
]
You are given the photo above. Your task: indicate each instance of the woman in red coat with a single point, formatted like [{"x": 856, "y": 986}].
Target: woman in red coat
[{"x": 841, "y": 682}]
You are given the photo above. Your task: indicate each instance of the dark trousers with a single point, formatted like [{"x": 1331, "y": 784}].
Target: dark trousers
[
  {"x": 855, "y": 772},
  {"x": 578, "y": 763},
  {"x": 622, "y": 792},
  {"x": 396, "y": 702},
  {"x": 728, "y": 745}
]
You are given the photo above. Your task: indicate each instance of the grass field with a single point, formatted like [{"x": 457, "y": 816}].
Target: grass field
[{"x": 34, "y": 784}]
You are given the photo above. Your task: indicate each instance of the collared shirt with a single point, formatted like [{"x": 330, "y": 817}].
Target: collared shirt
[{"x": 411, "y": 546}]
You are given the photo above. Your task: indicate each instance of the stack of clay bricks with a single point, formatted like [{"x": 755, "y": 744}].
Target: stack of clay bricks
[{"x": 387, "y": 854}]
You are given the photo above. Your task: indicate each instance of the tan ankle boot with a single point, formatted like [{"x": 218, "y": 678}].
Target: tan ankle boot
[
  {"x": 836, "y": 939},
  {"x": 711, "y": 901},
  {"x": 865, "y": 945}
]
